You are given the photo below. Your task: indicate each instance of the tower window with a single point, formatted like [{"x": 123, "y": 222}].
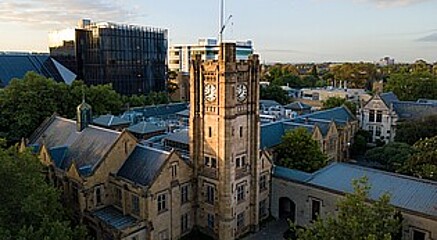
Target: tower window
[
  {"x": 240, "y": 193},
  {"x": 240, "y": 220},
  {"x": 210, "y": 194},
  {"x": 184, "y": 194},
  {"x": 263, "y": 183},
  {"x": 184, "y": 223},
  {"x": 210, "y": 162},
  {"x": 209, "y": 131},
  {"x": 241, "y": 131},
  {"x": 210, "y": 221},
  {"x": 240, "y": 161}
]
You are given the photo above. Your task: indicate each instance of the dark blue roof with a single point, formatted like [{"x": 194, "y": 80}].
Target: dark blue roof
[
  {"x": 271, "y": 134},
  {"x": 145, "y": 127},
  {"x": 180, "y": 137},
  {"x": 58, "y": 155},
  {"x": 162, "y": 110},
  {"x": 268, "y": 103},
  {"x": 337, "y": 114},
  {"x": 413, "y": 110},
  {"x": 184, "y": 113},
  {"x": 388, "y": 98},
  {"x": 143, "y": 164},
  {"x": 406, "y": 192},
  {"x": 298, "y": 106},
  {"x": 110, "y": 121},
  {"x": 114, "y": 217},
  {"x": 17, "y": 65}
]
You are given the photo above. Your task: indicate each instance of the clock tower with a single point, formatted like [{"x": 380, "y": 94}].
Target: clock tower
[{"x": 224, "y": 144}]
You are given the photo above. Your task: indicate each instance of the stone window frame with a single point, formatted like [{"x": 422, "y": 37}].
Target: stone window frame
[
  {"x": 311, "y": 208},
  {"x": 135, "y": 205},
  {"x": 210, "y": 194},
  {"x": 263, "y": 182},
  {"x": 118, "y": 196},
  {"x": 210, "y": 221},
  {"x": 413, "y": 229},
  {"x": 185, "y": 219},
  {"x": 174, "y": 170},
  {"x": 241, "y": 192},
  {"x": 185, "y": 189},
  {"x": 241, "y": 161},
  {"x": 161, "y": 201},
  {"x": 98, "y": 195},
  {"x": 210, "y": 161},
  {"x": 241, "y": 220}
]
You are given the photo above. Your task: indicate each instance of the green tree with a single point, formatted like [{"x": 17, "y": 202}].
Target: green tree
[
  {"x": 298, "y": 150},
  {"x": 29, "y": 206},
  {"x": 412, "y": 131},
  {"x": 276, "y": 93},
  {"x": 423, "y": 163},
  {"x": 333, "y": 102},
  {"x": 411, "y": 86},
  {"x": 357, "y": 218},
  {"x": 359, "y": 146},
  {"x": 392, "y": 156}
]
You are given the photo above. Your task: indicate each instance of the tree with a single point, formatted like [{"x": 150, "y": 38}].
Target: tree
[
  {"x": 392, "y": 156},
  {"x": 357, "y": 218},
  {"x": 412, "y": 131},
  {"x": 299, "y": 151},
  {"x": 29, "y": 206},
  {"x": 423, "y": 163},
  {"x": 411, "y": 86},
  {"x": 360, "y": 142},
  {"x": 276, "y": 93},
  {"x": 333, "y": 102}
]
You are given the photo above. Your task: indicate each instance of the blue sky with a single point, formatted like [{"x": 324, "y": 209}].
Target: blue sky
[{"x": 282, "y": 30}]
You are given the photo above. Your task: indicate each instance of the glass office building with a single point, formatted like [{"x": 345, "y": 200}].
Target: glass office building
[{"x": 131, "y": 58}]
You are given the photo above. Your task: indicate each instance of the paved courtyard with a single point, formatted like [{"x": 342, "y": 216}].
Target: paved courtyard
[{"x": 272, "y": 230}]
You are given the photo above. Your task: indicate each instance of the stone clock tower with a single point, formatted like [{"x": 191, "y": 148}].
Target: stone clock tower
[{"x": 224, "y": 144}]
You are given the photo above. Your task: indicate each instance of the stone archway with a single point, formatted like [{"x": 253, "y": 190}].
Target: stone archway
[{"x": 287, "y": 209}]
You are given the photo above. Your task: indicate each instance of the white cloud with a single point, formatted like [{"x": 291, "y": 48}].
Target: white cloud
[{"x": 64, "y": 13}]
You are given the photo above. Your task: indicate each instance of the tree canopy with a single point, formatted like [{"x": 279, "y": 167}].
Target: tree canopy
[
  {"x": 274, "y": 92},
  {"x": 333, "y": 102},
  {"x": 412, "y": 131},
  {"x": 26, "y": 102},
  {"x": 299, "y": 151},
  {"x": 357, "y": 219},
  {"x": 29, "y": 206},
  {"x": 412, "y": 86},
  {"x": 423, "y": 163},
  {"x": 392, "y": 156}
]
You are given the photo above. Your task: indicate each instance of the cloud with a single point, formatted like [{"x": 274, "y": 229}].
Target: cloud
[
  {"x": 393, "y": 3},
  {"x": 64, "y": 13},
  {"x": 429, "y": 38}
]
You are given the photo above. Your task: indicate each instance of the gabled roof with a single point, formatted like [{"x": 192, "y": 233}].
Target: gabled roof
[
  {"x": 17, "y": 65},
  {"x": 58, "y": 155},
  {"x": 271, "y": 134},
  {"x": 269, "y": 103},
  {"x": 180, "y": 137},
  {"x": 184, "y": 113},
  {"x": 143, "y": 165},
  {"x": 145, "y": 127},
  {"x": 298, "y": 106},
  {"x": 337, "y": 114},
  {"x": 406, "y": 192},
  {"x": 160, "y": 110},
  {"x": 110, "y": 121},
  {"x": 413, "y": 110},
  {"x": 388, "y": 98},
  {"x": 86, "y": 148},
  {"x": 114, "y": 217}
]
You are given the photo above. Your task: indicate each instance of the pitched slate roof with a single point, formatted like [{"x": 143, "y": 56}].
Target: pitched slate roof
[
  {"x": 271, "y": 134},
  {"x": 413, "y": 110},
  {"x": 298, "y": 106},
  {"x": 145, "y": 127},
  {"x": 58, "y": 155},
  {"x": 114, "y": 217},
  {"x": 338, "y": 114},
  {"x": 17, "y": 65},
  {"x": 406, "y": 192},
  {"x": 110, "y": 121},
  {"x": 143, "y": 164},
  {"x": 268, "y": 103},
  {"x": 388, "y": 98},
  {"x": 86, "y": 149},
  {"x": 162, "y": 110},
  {"x": 184, "y": 113},
  {"x": 180, "y": 137}
]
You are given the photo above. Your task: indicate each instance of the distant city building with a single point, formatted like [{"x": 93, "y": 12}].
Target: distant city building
[
  {"x": 17, "y": 64},
  {"x": 386, "y": 61},
  {"x": 180, "y": 55},
  {"x": 322, "y": 94},
  {"x": 131, "y": 58}
]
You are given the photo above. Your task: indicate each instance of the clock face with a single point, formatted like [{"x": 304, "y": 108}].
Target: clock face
[
  {"x": 241, "y": 93},
  {"x": 210, "y": 92}
]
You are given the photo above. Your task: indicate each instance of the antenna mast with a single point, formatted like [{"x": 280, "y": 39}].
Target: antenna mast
[{"x": 222, "y": 23}]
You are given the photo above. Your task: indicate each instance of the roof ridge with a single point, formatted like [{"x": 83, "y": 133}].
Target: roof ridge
[
  {"x": 388, "y": 173},
  {"x": 153, "y": 149}
]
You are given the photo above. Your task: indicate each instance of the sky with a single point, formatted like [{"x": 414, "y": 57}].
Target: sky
[{"x": 292, "y": 31}]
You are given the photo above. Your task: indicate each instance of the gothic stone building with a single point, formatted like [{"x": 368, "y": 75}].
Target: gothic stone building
[{"x": 121, "y": 189}]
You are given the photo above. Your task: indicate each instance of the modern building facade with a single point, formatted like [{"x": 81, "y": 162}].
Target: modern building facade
[
  {"x": 181, "y": 55},
  {"x": 131, "y": 58}
]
